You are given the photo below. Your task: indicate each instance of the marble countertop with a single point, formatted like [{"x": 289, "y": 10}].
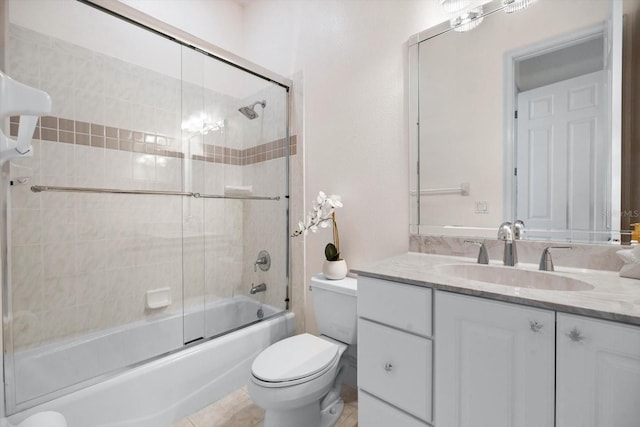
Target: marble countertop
[{"x": 612, "y": 297}]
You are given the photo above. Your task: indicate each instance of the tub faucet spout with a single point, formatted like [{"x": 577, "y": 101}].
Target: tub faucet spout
[{"x": 262, "y": 287}]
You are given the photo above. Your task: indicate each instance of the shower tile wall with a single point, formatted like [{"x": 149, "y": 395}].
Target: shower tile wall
[
  {"x": 83, "y": 262},
  {"x": 262, "y": 220}
]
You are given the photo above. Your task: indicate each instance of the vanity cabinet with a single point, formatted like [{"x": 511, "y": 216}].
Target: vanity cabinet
[
  {"x": 394, "y": 354},
  {"x": 598, "y": 373},
  {"x": 443, "y": 359},
  {"x": 493, "y": 362}
]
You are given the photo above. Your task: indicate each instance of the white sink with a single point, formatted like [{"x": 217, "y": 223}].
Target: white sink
[{"x": 511, "y": 276}]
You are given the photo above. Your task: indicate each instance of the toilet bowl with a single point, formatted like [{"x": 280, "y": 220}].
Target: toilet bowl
[
  {"x": 298, "y": 380},
  {"x": 44, "y": 419}
]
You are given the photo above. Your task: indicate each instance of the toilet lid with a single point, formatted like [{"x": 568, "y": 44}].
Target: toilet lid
[{"x": 293, "y": 358}]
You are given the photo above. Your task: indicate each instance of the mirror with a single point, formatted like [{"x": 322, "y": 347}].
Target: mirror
[{"x": 557, "y": 164}]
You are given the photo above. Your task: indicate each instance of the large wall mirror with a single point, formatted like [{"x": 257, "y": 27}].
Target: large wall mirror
[{"x": 521, "y": 118}]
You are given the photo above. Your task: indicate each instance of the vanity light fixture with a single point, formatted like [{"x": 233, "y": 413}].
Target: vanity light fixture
[
  {"x": 467, "y": 21},
  {"x": 452, "y": 6},
  {"x": 511, "y": 6}
]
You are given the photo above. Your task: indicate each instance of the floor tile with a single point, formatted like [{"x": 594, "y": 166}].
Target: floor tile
[
  {"x": 238, "y": 410},
  {"x": 183, "y": 423}
]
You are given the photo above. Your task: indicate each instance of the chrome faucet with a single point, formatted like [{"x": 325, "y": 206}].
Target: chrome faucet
[
  {"x": 518, "y": 229},
  {"x": 258, "y": 288},
  {"x": 510, "y": 233},
  {"x": 483, "y": 256},
  {"x": 546, "y": 263}
]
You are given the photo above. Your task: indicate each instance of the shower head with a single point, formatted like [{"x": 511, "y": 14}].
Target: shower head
[{"x": 249, "y": 111}]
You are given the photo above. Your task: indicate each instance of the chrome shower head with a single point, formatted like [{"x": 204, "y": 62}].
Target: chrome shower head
[{"x": 249, "y": 111}]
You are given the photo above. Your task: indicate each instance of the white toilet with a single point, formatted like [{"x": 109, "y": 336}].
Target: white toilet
[{"x": 298, "y": 380}]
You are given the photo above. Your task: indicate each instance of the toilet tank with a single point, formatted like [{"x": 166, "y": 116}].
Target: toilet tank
[{"x": 335, "y": 305}]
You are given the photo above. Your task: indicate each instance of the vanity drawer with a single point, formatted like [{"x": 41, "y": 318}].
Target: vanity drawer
[
  {"x": 402, "y": 306},
  {"x": 374, "y": 412},
  {"x": 395, "y": 366}
]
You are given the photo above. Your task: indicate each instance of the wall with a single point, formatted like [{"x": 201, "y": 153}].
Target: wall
[
  {"x": 352, "y": 56},
  {"x": 219, "y": 22}
]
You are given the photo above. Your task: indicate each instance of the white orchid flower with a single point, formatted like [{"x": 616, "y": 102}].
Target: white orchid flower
[
  {"x": 321, "y": 197},
  {"x": 322, "y": 216},
  {"x": 334, "y": 201}
]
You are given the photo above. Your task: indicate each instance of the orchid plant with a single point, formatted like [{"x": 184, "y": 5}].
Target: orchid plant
[{"x": 324, "y": 214}]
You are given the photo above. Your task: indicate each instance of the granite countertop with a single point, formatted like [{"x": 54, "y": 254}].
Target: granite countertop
[{"x": 612, "y": 297}]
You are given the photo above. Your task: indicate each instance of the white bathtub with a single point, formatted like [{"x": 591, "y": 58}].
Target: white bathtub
[{"x": 160, "y": 392}]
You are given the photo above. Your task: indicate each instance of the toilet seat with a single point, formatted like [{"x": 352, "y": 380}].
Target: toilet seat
[{"x": 294, "y": 360}]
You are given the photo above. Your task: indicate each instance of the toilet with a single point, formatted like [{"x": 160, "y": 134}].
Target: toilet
[{"x": 298, "y": 380}]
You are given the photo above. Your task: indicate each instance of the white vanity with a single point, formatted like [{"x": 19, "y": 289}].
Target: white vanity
[{"x": 439, "y": 349}]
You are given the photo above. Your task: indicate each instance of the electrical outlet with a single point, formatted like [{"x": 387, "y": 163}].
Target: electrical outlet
[{"x": 482, "y": 207}]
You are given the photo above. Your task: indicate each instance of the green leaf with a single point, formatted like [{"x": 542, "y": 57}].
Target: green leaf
[{"x": 331, "y": 252}]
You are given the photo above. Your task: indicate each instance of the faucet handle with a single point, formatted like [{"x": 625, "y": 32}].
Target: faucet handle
[
  {"x": 546, "y": 263},
  {"x": 263, "y": 261},
  {"x": 483, "y": 256}
]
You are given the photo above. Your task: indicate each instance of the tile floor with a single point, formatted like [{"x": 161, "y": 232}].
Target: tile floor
[{"x": 237, "y": 410}]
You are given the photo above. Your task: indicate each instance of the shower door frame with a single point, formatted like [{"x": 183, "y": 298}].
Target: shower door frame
[{"x": 8, "y": 405}]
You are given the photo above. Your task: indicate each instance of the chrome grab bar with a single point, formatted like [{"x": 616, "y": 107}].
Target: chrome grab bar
[{"x": 43, "y": 188}]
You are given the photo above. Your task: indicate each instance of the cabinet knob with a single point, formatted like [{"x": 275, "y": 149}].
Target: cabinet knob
[
  {"x": 535, "y": 326},
  {"x": 575, "y": 335},
  {"x": 388, "y": 367}
]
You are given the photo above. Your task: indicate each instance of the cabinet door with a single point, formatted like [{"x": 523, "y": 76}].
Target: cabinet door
[
  {"x": 598, "y": 373},
  {"x": 494, "y": 363}
]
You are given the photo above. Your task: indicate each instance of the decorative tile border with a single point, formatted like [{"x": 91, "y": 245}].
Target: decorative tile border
[{"x": 67, "y": 131}]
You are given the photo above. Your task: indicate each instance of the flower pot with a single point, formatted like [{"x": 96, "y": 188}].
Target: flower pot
[{"x": 334, "y": 270}]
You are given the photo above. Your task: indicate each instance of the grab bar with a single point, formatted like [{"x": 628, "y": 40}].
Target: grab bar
[
  {"x": 463, "y": 190},
  {"x": 43, "y": 188}
]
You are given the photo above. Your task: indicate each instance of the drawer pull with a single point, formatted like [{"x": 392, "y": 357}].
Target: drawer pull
[
  {"x": 388, "y": 367},
  {"x": 535, "y": 326},
  {"x": 575, "y": 335}
]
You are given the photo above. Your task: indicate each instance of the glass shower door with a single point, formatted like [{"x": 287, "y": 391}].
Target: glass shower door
[
  {"x": 239, "y": 167},
  {"x": 95, "y": 279},
  {"x": 167, "y": 179}
]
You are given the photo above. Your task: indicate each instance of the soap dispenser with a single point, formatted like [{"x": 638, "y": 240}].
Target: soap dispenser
[{"x": 635, "y": 233}]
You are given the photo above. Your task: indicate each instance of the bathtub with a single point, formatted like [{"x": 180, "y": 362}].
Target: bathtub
[{"x": 157, "y": 393}]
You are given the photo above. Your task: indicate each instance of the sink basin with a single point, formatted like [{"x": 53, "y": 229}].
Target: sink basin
[{"x": 510, "y": 276}]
